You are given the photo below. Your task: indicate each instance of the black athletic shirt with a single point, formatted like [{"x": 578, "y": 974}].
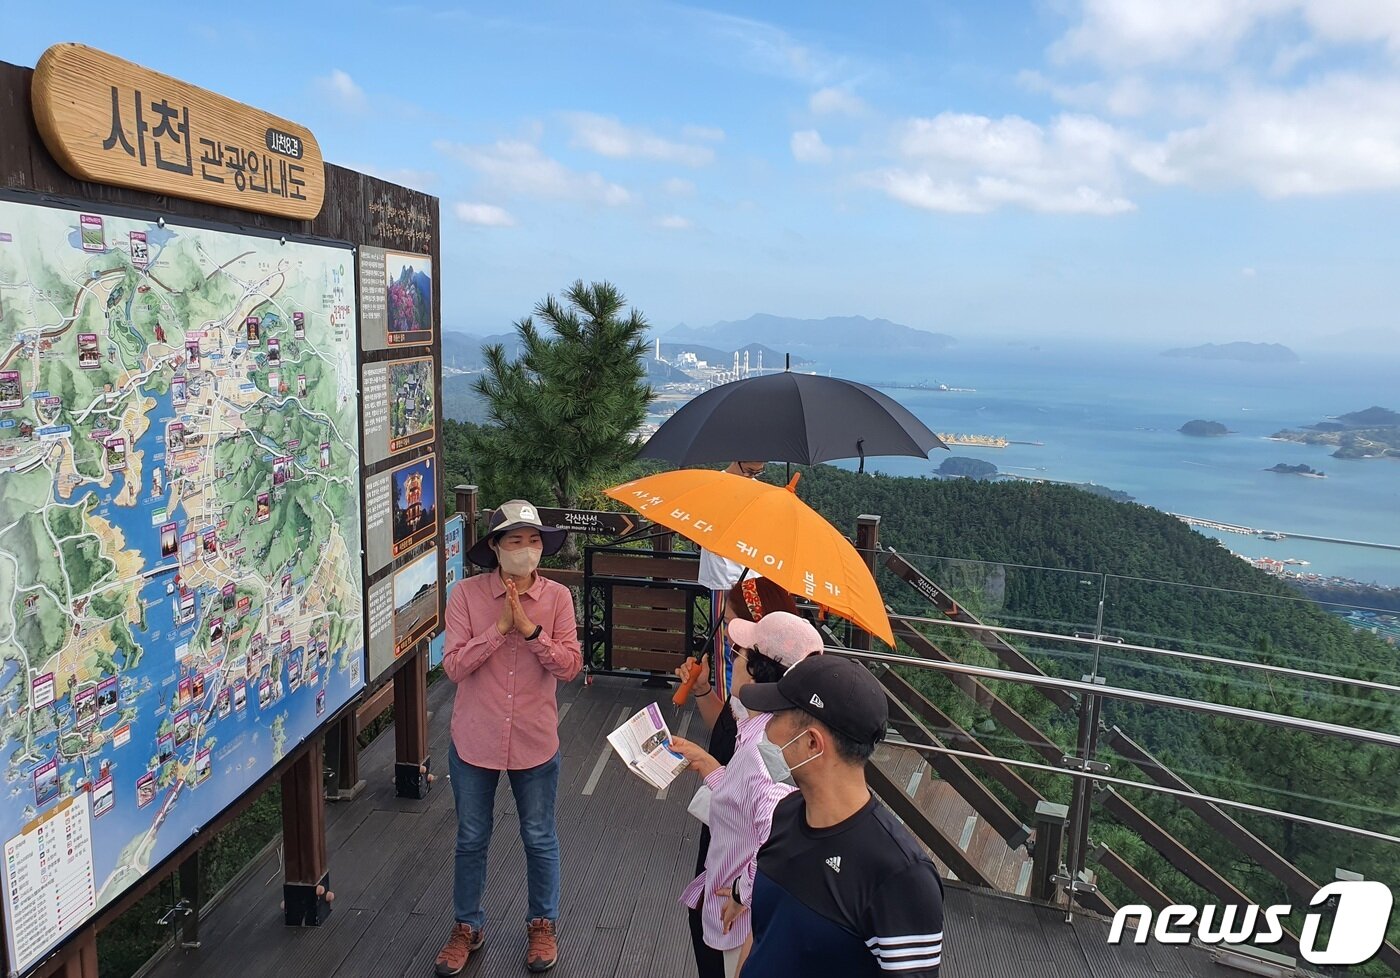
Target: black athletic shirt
[{"x": 857, "y": 899}]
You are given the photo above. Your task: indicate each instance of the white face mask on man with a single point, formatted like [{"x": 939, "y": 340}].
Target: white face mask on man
[
  {"x": 776, "y": 762},
  {"x": 519, "y": 563}
]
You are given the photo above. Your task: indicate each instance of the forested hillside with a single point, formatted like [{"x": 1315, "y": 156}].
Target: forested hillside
[{"x": 1042, "y": 557}]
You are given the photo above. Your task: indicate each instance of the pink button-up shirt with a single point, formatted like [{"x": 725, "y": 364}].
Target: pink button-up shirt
[
  {"x": 505, "y": 715},
  {"x": 742, "y": 800}
]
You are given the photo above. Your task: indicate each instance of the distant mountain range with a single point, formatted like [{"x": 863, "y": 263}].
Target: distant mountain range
[
  {"x": 1245, "y": 352},
  {"x": 833, "y": 334},
  {"x": 775, "y": 337}
]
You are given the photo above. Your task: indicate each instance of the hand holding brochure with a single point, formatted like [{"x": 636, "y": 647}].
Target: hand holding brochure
[{"x": 644, "y": 744}]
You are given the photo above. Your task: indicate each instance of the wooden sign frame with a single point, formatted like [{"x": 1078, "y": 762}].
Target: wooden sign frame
[{"x": 108, "y": 120}]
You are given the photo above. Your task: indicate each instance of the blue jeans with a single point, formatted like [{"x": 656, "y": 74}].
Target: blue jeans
[{"x": 474, "y": 789}]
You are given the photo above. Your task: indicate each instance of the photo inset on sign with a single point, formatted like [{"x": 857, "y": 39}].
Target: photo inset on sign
[
  {"x": 415, "y": 601},
  {"x": 396, "y": 299},
  {"x": 415, "y": 503},
  {"x": 89, "y": 356},
  {"x": 116, "y": 453},
  {"x": 90, "y": 229},
  {"x": 11, "y": 390},
  {"x": 169, "y": 540},
  {"x": 412, "y": 401},
  {"x": 409, "y": 284}
]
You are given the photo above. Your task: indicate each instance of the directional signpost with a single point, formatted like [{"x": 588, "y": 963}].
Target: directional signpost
[{"x": 591, "y": 521}]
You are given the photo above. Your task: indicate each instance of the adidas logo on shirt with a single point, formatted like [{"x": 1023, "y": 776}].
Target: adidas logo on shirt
[
  {"x": 817, "y": 701},
  {"x": 834, "y": 862}
]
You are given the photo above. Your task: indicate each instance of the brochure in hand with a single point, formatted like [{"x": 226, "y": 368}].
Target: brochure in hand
[{"x": 644, "y": 744}]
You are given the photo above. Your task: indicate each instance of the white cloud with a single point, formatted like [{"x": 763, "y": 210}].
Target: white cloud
[
  {"x": 1248, "y": 272},
  {"x": 340, "y": 89},
  {"x": 674, "y": 222},
  {"x": 607, "y": 136},
  {"x": 1358, "y": 21},
  {"x": 807, "y": 147},
  {"x": 1126, "y": 33},
  {"x": 484, "y": 215},
  {"x": 1336, "y": 135},
  {"x": 514, "y": 166},
  {"x": 770, "y": 50},
  {"x": 1130, "y": 95},
  {"x": 964, "y": 163},
  {"x": 836, "y": 101},
  {"x": 677, "y": 187},
  {"x": 704, "y": 134}
]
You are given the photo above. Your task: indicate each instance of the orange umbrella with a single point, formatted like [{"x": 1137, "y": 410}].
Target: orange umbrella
[{"x": 768, "y": 530}]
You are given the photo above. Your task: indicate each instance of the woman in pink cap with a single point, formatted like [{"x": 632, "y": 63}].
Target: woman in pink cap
[{"x": 737, "y": 799}]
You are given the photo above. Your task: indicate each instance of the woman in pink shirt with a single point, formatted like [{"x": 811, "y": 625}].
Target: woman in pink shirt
[
  {"x": 742, "y": 796},
  {"x": 511, "y": 638}
]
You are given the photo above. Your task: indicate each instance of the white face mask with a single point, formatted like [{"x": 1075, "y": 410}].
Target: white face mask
[
  {"x": 776, "y": 763},
  {"x": 519, "y": 563}
]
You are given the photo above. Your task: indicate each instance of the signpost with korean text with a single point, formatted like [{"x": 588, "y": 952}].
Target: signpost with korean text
[
  {"x": 592, "y": 521},
  {"x": 108, "y": 120}
]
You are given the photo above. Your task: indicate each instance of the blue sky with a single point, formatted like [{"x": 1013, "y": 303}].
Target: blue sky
[{"x": 1131, "y": 169}]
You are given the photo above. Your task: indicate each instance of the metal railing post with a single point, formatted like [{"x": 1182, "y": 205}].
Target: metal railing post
[
  {"x": 1050, "y": 820},
  {"x": 1081, "y": 803}
]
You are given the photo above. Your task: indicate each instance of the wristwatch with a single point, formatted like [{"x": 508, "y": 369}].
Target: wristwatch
[
  {"x": 535, "y": 634},
  {"x": 734, "y": 891}
]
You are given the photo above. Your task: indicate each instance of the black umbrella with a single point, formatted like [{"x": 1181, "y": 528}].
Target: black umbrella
[{"x": 790, "y": 417}]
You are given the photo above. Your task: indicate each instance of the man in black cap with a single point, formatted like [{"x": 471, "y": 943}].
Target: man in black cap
[{"x": 843, "y": 889}]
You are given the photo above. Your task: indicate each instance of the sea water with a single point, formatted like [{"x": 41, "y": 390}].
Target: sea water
[{"x": 1111, "y": 415}]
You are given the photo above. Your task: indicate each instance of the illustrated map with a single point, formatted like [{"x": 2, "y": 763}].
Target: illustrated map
[{"x": 180, "y": 575}]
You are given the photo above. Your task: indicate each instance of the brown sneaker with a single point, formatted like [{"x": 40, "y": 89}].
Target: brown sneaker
[
  {"x": 544, "y": 949},
  {"x": 453, "y": 956}
]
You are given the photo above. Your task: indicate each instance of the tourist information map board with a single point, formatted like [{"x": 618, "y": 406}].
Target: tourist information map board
[{"x": 180, "y": 541}]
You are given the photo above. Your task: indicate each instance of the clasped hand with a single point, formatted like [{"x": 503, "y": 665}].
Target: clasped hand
[{"x": 513, "y": 617}]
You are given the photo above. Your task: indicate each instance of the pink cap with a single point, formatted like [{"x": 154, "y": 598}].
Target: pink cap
[{"x": 782, "y": 636}]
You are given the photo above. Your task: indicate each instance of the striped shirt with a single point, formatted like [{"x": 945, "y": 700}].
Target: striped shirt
[
  {"x": 859, "y": 899},
  {"x": 742, "y": 799}
]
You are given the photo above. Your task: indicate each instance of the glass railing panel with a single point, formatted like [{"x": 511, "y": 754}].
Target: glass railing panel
[{"x": 1199, "y": 864}]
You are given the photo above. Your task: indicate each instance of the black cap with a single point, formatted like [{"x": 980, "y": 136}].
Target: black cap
[{"x": 839, "y": 692}]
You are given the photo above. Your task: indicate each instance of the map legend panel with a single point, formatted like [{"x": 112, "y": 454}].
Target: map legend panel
[{"x": 48, "y": 877}]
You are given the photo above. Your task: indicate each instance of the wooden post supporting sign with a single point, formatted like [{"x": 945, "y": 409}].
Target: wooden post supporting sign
[
  {"x": 867, "y": 545},
  {"x": 306, "y": 888},
  {"x": 411, "y": 761}
]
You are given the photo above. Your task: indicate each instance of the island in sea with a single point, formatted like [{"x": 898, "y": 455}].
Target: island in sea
[
  {"x": 1204, "y": 429},
  {"x": 1372, "y": 433},
  {"x": 1243, "y": 352},
  {"x": 1283, "y": 468},
  {"x": 961, "y": 466}
]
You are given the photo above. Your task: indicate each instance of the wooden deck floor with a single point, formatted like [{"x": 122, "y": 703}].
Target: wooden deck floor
[{"x": 626, "y": 855}]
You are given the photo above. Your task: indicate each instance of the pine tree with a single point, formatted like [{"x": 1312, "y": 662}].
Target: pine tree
[{"x": 567, "y": 408}]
